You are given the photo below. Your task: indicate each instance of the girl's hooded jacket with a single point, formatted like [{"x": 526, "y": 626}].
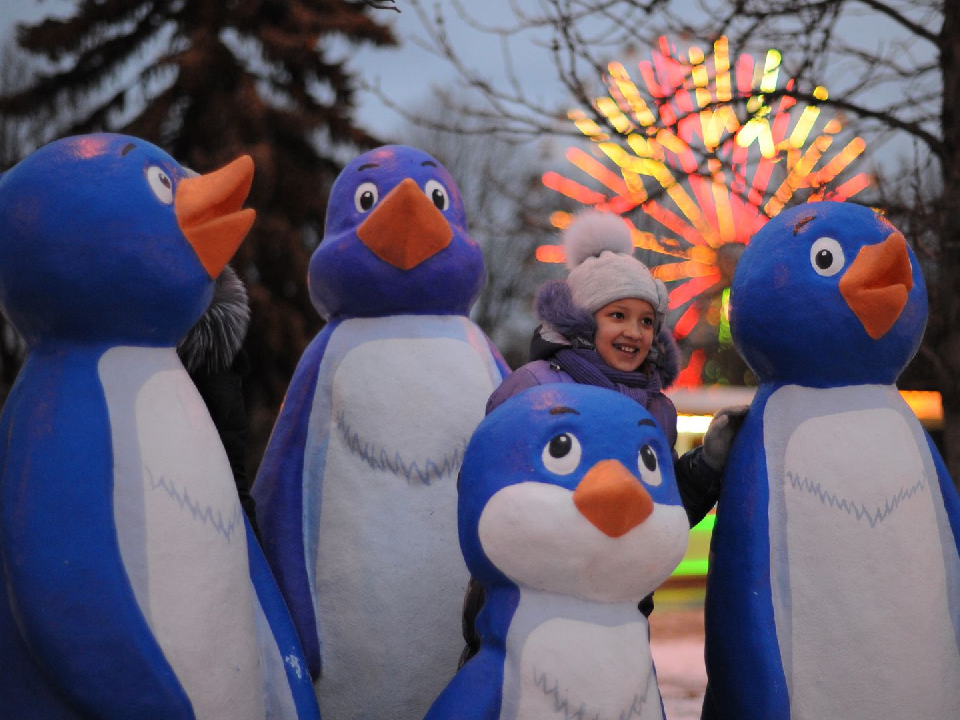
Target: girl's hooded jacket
[{"x": 558, "y": 346}]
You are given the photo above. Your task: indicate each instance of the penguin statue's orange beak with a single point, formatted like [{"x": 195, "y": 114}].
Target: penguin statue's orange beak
[
  {"x": 211, "y": 215},
  {"x": 406, "y": 228},
  {"x": 877, "y": 284},
  {"x": 612, "y": 498}
]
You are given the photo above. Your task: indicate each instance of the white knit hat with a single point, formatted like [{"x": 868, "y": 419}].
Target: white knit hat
[{"x": 602, "y": 267}]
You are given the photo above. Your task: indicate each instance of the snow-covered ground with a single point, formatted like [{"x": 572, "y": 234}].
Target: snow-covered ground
[
  {"x": 681, "y": 675},
  {"x": 676, "y": 629}
]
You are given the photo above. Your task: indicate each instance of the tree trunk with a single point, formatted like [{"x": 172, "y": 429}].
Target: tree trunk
[{"x": 948, "y": 346}]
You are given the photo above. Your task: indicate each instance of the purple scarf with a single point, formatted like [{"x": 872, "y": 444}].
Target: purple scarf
[{"x": 588, "y": 368}]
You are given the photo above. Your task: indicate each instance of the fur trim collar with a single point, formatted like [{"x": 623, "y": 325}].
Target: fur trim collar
[
  {"x": 665, "y": 356},
  {"x": 558, "y": 312},
  {"x": 213, "y": 343}
]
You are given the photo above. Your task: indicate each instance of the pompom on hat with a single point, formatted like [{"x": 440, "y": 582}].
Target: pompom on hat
[{"x": 599, "y": 253}]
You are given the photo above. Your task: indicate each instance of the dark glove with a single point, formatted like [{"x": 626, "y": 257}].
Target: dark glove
[{"x": 719, "y": 436}]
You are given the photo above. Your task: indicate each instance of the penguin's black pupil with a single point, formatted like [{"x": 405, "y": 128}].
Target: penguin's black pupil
[
  {"x": 560, "y": 446},
  {"x": 366, "y": 200},
  {"x": 439, "y": 199},
  {"x": 824, "y": 259},
  {"x": 649, "y": 458},
  {"x": 164, "y": 180}
]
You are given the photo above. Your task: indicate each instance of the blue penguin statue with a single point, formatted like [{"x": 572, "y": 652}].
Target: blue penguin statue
[
  {"x": 356, "y": 495},
  {"x": 569, "y": 515},
  {"x": 834, "y": 583},
  {"x": 134, "y": 587}
]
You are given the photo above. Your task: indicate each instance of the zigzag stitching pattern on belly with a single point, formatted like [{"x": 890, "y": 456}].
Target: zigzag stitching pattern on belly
[
  {"x": 379, "y": 459},
  {"x": 204, "y": 514},
  {"x": 856, "y": 510},
  {"x": 563, "y": 705}
]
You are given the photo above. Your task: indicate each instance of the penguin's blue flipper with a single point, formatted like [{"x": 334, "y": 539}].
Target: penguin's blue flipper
[
  {"x": 951, "y": 504},
  {"x": 62, "y": 560},
  {"x": 951, "y": 501},
  {"x": 284, "y": 633},
  {"x": 278, "y": 492},
  {"x": 475, "y": 693},
  {"x": 22, "y": 685},
  {"x": 746, "y": 675}
]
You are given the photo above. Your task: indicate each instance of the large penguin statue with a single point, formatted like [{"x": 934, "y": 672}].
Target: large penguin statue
[
  {"x": 569, "y": 515},
  {"x": 357, "y": 494},
  {"x": 834, "y": 584},
  {"x": 132, "y": 584}
]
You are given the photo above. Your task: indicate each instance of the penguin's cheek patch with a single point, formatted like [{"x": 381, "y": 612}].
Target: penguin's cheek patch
[{"x": 535, "y": 534}]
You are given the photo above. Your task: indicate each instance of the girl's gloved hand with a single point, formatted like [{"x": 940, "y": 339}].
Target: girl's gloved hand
[{"x": 719, "y": 436}]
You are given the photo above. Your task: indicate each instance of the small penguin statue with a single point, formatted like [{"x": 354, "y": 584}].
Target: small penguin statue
[
  {"x": 134, "y": 587},
  {"x": 356, "y": 496},
  {"x": 834, "y": 584},
  {"x": 569, "y": 515}
]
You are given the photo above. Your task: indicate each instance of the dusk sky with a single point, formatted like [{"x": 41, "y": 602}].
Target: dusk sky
[{"x": 406, "y": 74}]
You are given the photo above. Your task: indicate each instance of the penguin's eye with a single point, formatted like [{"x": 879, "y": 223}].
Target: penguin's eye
[
  {"x": 648, "y": 466},
  {"x": 366, "y": 197},
  {"x": 562, "y": 454},
  {"x": 161, "y": 184},
  {"x": 438, "y": 194},
  {"x": 826, "y": 256}
]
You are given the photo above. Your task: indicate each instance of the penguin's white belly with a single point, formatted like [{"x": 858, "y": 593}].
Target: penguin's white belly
[
  {"x": 181, "y": 531},
  {"x": 577, "y": 669},
  {"x": 389, "y": 576},
  {"x": 857, "y": 564}
]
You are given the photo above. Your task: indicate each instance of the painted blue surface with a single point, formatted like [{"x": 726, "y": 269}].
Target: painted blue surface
[
  {"x": 284, "y": 632},
  {"x": 507, "y": 449},
  {"x": 279, "y": 493},
  {"x": 138, "y": 282},
  {"x": 81, "y": 646},
  {"x": 950, "y": 531},
  {"x": 476, "y": 691},
  {"x": 793, "y": 327},
  {"x": 739, "y": 605},
  {"x": 90, "y": 258},
  {"x": 347, "y": 280}
]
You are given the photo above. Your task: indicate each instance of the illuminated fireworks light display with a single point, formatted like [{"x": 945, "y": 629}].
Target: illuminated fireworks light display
[{"x": 716, "y": 204}]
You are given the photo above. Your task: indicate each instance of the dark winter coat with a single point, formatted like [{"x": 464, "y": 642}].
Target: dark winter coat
[{"x": 213, "y": 355}]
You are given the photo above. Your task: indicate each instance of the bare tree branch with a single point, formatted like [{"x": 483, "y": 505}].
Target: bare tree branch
[
  {"x": 891, "y": 69},
  {"x": 895, "y": 14}
]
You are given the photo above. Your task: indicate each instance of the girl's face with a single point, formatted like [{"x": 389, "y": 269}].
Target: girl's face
[{"x": 624, "y": 333}]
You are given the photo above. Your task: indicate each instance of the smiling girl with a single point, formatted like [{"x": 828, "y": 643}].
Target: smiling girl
[{"x": 604, "y": 326}]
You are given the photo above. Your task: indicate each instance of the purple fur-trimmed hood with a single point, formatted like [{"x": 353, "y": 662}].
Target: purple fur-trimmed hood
[
  {"x": 564, "y": 323},
  {"x": 667, "y": 362},
  {"x": 556, "y": 308}
]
